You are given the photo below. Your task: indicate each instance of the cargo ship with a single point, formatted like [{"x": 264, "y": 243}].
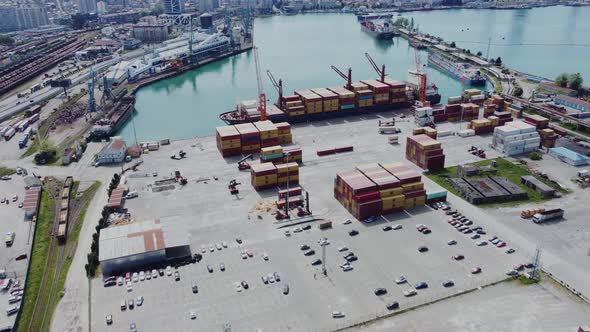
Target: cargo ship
[
  {"x": 413, "y": 82},
  {"x": 373, "y": 16},
  {"x": 383, "y": 30},
  {"x": 359, "y": 98},
  {"x": 108, "y": 126},
  {"x": 460, "y": 70}
]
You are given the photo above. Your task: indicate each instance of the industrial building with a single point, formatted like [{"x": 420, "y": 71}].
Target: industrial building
[
  {"x": 112, "y": 153},
  {"x": 575, "y": 103},
  {"x": 568, "y": 156},
  {"x": 537, "y": 185},
  {"x": 151, "y": 33},
  {"x": 87, "y": 7},
  {"x": 142, "y": 245},
  {"x": 32, "y": 201}
]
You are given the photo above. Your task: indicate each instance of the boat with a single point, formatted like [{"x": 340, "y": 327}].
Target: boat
[
  {"x": 291, "y": 10},
  {"x": 373, "y": 16},
  {"x": 383, "y": 30},
  {"x": 108, "y": 126},
  {"x": 361, "y": 98},
  {"x": 464, "y": 72},
  {"x": 413, "y": 82}
]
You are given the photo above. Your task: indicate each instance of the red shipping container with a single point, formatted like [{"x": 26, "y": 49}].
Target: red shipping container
[{"x": 367, "y": 197}]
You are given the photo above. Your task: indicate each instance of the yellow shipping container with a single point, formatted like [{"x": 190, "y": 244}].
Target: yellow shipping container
[
  {"x": 271, "y": 150},
  {"x": 230, "y": 144},
  {"x": 391, "y": 192},
  {"x": 412, "y": 186},
  {"x": 420, "y": 200}
]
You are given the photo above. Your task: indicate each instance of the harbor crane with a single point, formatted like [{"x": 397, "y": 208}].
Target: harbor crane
[
  {"x": 278, "y": 86},
  {"x": 380, "y": 72},
  {"x": 347, "y": 78},
  {"x": 423, "y": 79},
  {"x": 261, "y": 94}
]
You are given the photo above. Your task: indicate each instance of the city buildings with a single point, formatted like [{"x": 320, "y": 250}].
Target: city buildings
[
  {"x": 208, "y": 5},
  {"x": 151, "y": 33},
  {"x": 101, "y": 7},
  {"x": 173, "y": 7},
  {"x": 22, "y": 16},
  {"x": 87, "y": 6}
]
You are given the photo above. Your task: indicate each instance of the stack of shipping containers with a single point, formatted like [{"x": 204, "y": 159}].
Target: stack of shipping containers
[
  {"x": 548, "y": 136},
  {"x": 249, "y": 137},
  {"x": 376, "y": 189},
  {"x": 515, "y": 138},
  {"x": 430, "y": 132},
  {"x": 453, "y": 112},
  {"x": 380, "y": 91},
  {"x": 228, "y": 141},
  {"x": 330, "y": 100},
  {"x": 364, "y": 96},
  {"x": 397, "y": 91},
  {"x": 294, "y": 106},
  {"x": 470, "y": 111},
  {"x": 346, "y": 97},
  {"x": 284, "y": 132},
  {"x": 269, "y": 133},
  {"x": 288, "y": 171},
  {"x": 273, "y": 154},
  {"x": 293, "y": 153},
  {"x": 425, "y": 152},
  {"x": 263, "y": 176},
  {"x": 481, "y": 126},
  {"x": 312, "y": 102},
  {"x": 503, "y": 117}
]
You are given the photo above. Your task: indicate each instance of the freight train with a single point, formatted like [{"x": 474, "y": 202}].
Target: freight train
[
  {"x": 357, "y": 98},
  {"x": 64, "y": 212}
]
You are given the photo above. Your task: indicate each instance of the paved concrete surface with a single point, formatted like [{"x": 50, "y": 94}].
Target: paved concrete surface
[
  {"x": 504, "y": 307},
  {"x": 212, "y": 215},
  {"x": 13, "y": 220}
]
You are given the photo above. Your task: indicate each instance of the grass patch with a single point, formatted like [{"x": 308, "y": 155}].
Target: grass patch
[
  {"x": 39, "y": 257},
  {"x": 527, "y": 281},
  {"x": 505, "y": 169},
  {"x": 574, "y": 127},
  {"x": 5, "y": 171},
  {"x": 496, "y": 82}
]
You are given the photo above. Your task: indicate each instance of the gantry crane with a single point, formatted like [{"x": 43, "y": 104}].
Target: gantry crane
[
  {"x": 279, "y": 87},
  {"x": 380, "y": 72},
  {"x": 348, "y": 77},
  {"x": 261, "y": 95},
  {"x": 423, "y": 78}
]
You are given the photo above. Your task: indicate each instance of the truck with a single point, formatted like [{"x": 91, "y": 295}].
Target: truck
[
  {"x": 547, "y": 215},
  {"x": 325, "y": 224},
  {"x": 9, "y": 238},
  {"x": 389, "y": 130}
]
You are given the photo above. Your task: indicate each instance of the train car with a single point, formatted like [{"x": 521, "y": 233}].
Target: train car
[
  {"x": 62, "y": 232},
  {"x": 65, "y": 204},
  {"x": 36, "y": 87},
  {"x": 63, "y": 217},
  {"x": 68, "y": 182}
]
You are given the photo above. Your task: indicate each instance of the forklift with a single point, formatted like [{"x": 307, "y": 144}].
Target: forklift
[
  {"x": 243, "y": 164},
  {"x": 233, "y": 187},
  {"x": 179, "y": 178}
]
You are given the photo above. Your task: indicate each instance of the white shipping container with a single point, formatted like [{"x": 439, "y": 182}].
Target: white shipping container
[
  {"x": 466, "y": 133},
  {"x": 443, "y": 133},
  {"x": 454, "y": 100},
  {"x": 477, "y": 97}
]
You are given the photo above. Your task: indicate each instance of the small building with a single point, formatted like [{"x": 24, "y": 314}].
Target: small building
[
  {"x": 568, "y": 156},
  {"x": 32, "y": 182},
  {"x": 31, "y": 202},
  {"x": 151, "y": 33},
  {"x": 112, "y": 153},
  {"x": 134, "y": 151},
  {"x": 117, "y": 198},
  {"x": 142, "y": 245},
  {"x": 575, "y": 103},
  {"x": 556, "y": 89},
  {"x": 536, "y": 184},
  {"x": 131, "y": 43}
]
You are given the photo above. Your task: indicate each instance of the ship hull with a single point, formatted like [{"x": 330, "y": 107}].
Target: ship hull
[
  {"x": 465, "y": 80},
  {"x": 233, "y": 117},
  {"x": 378, "y": 35}
]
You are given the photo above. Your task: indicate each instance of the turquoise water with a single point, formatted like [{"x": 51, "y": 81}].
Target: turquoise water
[{"x": 300, "y": 49}]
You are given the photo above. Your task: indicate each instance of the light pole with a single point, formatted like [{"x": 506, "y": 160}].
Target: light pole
[
  {"x": 287, "y": 199},
  {"x": 324, "y": 271}
]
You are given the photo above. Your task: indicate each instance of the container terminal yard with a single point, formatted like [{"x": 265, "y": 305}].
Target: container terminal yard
[{"x": 363, "y": 206}]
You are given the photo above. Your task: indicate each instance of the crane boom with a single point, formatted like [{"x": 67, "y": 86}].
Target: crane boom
[
  {"x": 423, "y": 78},
  {"x": 261, "y": 95},
  {"x": 347, "y": 78},
  {"x": 278, "y": 86},
  {"x": 380, "y": 72}
]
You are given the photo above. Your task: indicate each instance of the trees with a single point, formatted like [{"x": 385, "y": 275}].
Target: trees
[
  {"x": 6, "y": 40},
  {"x": 47, "y": 153},
  {"x": 479, "y": 53},
  {"x": 561, "y": 80},
  {"x": 517, "y": 92},
  {"x": 498, "y": 61},
  {"x": 575, "y": 81},
  {"x": 453, "y": 45},
  {"x": 401, "y": 22}
]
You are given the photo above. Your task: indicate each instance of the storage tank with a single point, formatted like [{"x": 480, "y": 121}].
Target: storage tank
[{"x": 206, "y": 21}]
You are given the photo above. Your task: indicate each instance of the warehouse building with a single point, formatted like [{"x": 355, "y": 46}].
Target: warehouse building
[
  {"x": 568, "y": 156},
  {"x": 141, "y": 245},
  {"x": 112, "y": 153},
  {"x": 575, "y": 103},
  {"x": 537, "y": 185}
]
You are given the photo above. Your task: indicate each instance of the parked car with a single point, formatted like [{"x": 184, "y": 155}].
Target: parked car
[
  {"x": 421, "y": 285},
  {"x": 277, "y": 276},
  {"x": 139, "y": 301},
  {"x": 410, "y": 292},
  {"x": 397, "y": 226},
  {"x": 387, "y": 228},
  {"x": 341, "y": 249},
  {"x": 448, "y": 283},
  {"x": 194, "y": 287},
  {"x": 316, "y": 262},
  {"x": 21, "y": 257},
  {"x": 337, "y": 314},
  {"x": 192, "y": 315},
  {"x": 401, "y": 280},
  {"x": 109, "y": 319},
  {"x": 132, "y": 327},
  {"x": 245, "y": 284},
  {"x": 482, "y": 243},
  {"x": 304, "y": 247},
  {"x": 392, "y": 306},
  {"x": 452, "y": 242},
  {"x": 169, "y": 270},
  {"x": 177, "y": 276},
  {"x": 130, "y": 304},
  {"x": 264, "y": 279},
  {"x": 458, "y": 257},
  {"x": 510, "y": 251},
  {"x": 476, "y": 270},
  {"x": 380, "y": 291},
  {"x": 221, "y": 267},
  {"x": 210, "y": 268},
  {"x": 512, "y": 273},
  {"x": 346, "y": 222},
  {"x": 353, "y": 232},
  {"x": 306, "y": 227},
  {"x": 422, "y": 249},
  {"x": 309, "y": 252},
  {"x": 286, "y": 289}
]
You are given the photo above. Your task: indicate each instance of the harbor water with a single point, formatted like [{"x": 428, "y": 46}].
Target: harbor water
[{"x": 300, "y": 49}]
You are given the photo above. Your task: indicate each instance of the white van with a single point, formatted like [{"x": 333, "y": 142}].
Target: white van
[{"x": 131, "y": 194}]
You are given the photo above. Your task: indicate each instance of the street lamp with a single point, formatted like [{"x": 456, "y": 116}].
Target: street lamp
[{"x": 287, "y": 199}]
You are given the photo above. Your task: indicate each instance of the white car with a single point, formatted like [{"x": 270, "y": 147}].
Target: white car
[
  {"x": 238, "y": 287},
  {"x": 347, "y": 268},
  {"x": 271, "y": 278},
  {"x": 141, "y": 276},
  {"x": 154, "y": 274},
  {"x": 169, "y": 270},
  {"x": 265, "y": 256},
  {"x": 148, "y": 275},
  {"x": 218, "y": 246},
  {"x": 397, "y": 226},
  {"x": 401, "y": 280},
  {"x": 298, "y": 230},
  {"x": 341, "y": 249},
  {"x": 129, "y": 287},
  {"x": 410, "y": 292},
  {"x": 452, "y": 242},
  {"x": 155, "y": 173},
  {"x": 193, "y": 315},
  {"x": 224, "y": 244},
  {"x": 120, "y": 281},
  {"x": 135, "y": 277},
  {"x": 324, "y": 241},
  {"x": 211, "y": 248},
  {"x": 337, "y": 314},
  {"x": 482, "y": 243},
  {"x": 203, "y": 249},
  {"x": 244, "y": 255}
]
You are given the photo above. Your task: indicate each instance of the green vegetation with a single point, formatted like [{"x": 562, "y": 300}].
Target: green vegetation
[
  {"x": 503, "y": 168},
  {"x": 535, "y": 155},
  {"x": 39, "y": 257},
  {"x": 453, "y": 45},
  {"x": 495, "y": 81},
  {"x": 498, "y": 61},
  {"x": 527, "y": 281},
  {"x": 46, "y": 153},
  {"x": 401, "y": 22},
  {"x": 6, "y": 40},
  {"x": 5, "y": 171},
  {"x": 574, "y": 81},
  {"x": 576, "y": 128}
]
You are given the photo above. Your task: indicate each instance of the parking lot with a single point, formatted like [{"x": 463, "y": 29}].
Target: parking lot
[
  {"x": 212, "y": 215},
  {"x": 13, "y": 221}
]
